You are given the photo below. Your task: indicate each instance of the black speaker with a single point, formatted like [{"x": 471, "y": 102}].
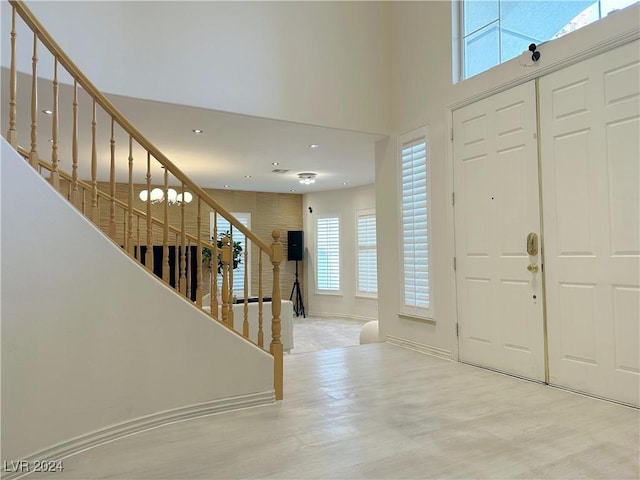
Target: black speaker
[{"x": 295, "y": 250}]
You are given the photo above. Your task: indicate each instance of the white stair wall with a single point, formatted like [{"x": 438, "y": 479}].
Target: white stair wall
[{"x": 90, "y": 340}]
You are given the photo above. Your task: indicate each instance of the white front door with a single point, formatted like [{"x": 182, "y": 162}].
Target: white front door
[
  {"x": 590, "y": 150},
  {"x": 500, "y": 305}
]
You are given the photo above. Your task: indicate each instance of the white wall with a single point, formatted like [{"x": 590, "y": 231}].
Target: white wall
[
  {"x": 297, "y": 61},
  {"x": 421, "y": 91},
  {"x": 341, "y": 64},
  {"x": 344, "y": 204},
  {"x": 90, "y": 339}
]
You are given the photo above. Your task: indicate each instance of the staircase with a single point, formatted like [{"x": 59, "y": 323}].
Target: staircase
[{"x": 105, "y": 183}]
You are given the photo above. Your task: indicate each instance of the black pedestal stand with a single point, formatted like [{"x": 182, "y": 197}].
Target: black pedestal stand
[{"x": 298, "y": 304}]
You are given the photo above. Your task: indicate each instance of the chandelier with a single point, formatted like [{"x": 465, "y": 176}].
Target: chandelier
[
  {"x": 173, "y": 197},
  {"x": 307, "y": 178}
]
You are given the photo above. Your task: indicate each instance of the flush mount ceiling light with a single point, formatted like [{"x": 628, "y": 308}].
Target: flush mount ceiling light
[
  {"x": 173, "y": 197},
  {"x": 313, "y": 145},
  {"x": 275, "y": 163},
  {"x": 307, "y": 178},
  {"x": 47, "y": 112},
  {"x": 247, "y": 176},
  {"x": 197, "y": 130}
]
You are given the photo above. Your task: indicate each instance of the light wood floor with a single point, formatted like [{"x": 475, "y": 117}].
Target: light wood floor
[
  {"x": 380, "y": 411},
  {"x": 312, "y": 334}
]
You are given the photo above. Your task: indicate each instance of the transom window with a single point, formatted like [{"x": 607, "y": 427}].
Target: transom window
[{"x": 494, "y": 31}]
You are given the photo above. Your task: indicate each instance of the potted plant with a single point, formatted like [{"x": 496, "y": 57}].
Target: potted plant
[{"x": 236, "y": 253}]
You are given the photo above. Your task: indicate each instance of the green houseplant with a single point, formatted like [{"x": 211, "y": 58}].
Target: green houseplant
[{"x": 236, "y": 253}]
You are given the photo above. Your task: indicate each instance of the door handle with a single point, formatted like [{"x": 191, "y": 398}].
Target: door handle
[
  {"x": 532, "y": 244},
  {"x": 532, "y": 267}
]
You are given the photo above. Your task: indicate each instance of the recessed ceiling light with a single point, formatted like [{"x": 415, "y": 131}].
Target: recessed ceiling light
[
  {"x": 292, "y": 190},
  {"x": 345, "y": 183},
  {"x": 275, "y": 163},
  {"x": 314, "y": 145},
  {"x": 247, "y": 176},
  {"x": 226, "y": 186},
  {"x": 51, "y": 140},
  {"x": 197, "y": 130},
  {"x": 47, "y": 112}
]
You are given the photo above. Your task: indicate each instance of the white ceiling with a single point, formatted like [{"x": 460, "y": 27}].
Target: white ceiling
[{"x": 231, "y": 147}]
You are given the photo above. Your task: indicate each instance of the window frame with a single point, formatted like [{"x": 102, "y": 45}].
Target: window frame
[
  {"x": 415, "y": 312},
  {"x": 458, "y": 44},
  {"x": 360, "y": 214},
  {"x": 327, "y": 291},
  {"x": 240, "y": 216}
]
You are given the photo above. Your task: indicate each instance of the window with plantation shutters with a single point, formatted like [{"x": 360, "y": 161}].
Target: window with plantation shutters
[
  {"x": 238, "y": 236},
  {"x": 328, "y": 254},
  {"x": 416, "y": 284},
  {"x": 367, "y": 254}
]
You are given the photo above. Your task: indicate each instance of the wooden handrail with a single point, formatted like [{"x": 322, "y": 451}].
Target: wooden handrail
[
  {"x": 77, "y": 194},
  {"x": 138, "y": 213},
  {"x": 118, "y": 202},
  {"x": 82, "y": 80}
]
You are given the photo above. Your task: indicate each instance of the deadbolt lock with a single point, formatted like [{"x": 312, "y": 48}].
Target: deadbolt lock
[{"x": 532, "y": 267}]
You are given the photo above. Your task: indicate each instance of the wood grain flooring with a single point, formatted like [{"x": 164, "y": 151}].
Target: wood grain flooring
[{"x": 381, "y": 411}]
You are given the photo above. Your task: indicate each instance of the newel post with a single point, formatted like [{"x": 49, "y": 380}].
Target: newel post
[
  {"x": 225, "y": 258},
  {"x": 276, "y": 307}
]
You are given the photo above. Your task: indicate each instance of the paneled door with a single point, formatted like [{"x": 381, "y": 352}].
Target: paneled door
[
  {"x": 498, "y": 272},
  {"x": 590, "y": 146}
]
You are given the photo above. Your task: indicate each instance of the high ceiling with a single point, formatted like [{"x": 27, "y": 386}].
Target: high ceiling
[
  {"x": 230, "y": 148},
  {"x": 233, "y": 146},
  {"x": 314, "y": 63}
]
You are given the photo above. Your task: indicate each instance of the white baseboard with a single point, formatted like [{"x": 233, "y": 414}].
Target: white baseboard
[
  {"x": 418, "y": 347},
  {"x": 341, "y": 315},
  {"x": 131, "y": 427}
]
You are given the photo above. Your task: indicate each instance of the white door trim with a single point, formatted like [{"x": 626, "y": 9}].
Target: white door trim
[{"x": 615, "y": 40}]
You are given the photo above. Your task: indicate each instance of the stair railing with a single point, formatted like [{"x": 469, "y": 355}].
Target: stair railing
[{"x": 128, "y": 220}]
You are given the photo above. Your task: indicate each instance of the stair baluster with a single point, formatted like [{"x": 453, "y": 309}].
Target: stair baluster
[
  {"x": 33, "y": 154},
  {"x": 121, "y": 199},
  {"x": 12, "y": 135},
  {"x": 54, "y": 177}
]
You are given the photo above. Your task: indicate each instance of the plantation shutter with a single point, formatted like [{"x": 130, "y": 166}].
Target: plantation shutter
[
  {"x": 415, "y": 242},
  {"x": 367, "y": 255},
  {"x": 328, "y": 253},
  {"x": 238, "y": 236}
]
